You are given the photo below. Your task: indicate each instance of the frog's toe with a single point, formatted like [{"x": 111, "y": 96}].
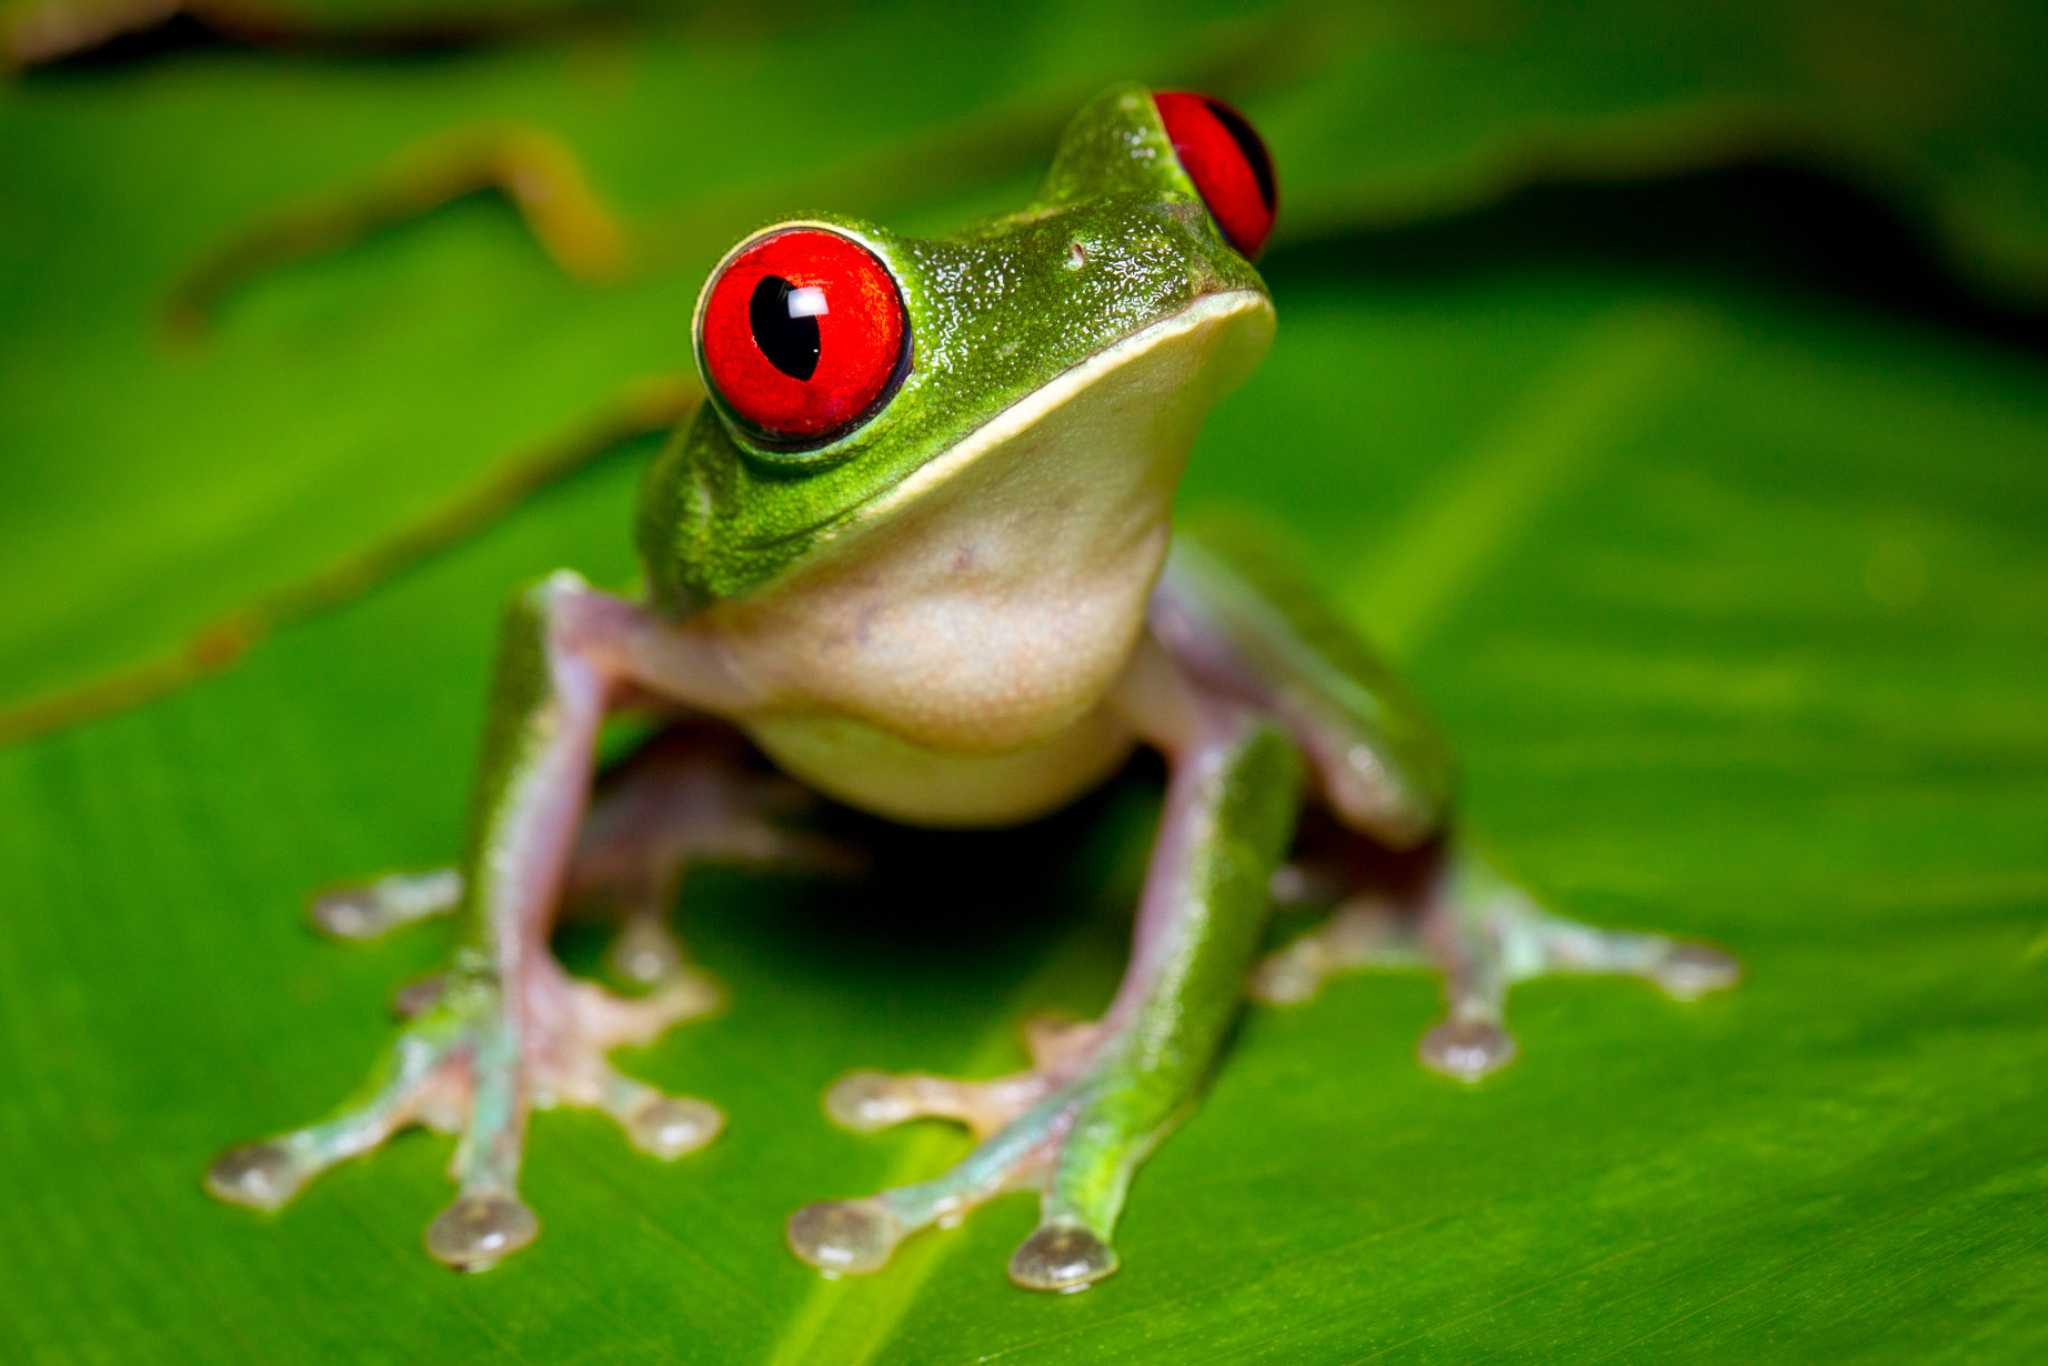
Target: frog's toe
[
  {"x": 646, "y": 951},
  {"x": 868, "y": 1101},
  {"x": 569, "y": 1066},
  {"x": 1364, "y": 932},
  {"x": 404, "y": 1090},
  {"x": 655, "y": 1122},
  {"x": 415, "y": 998},
  {"x": 377, "y": 908}
]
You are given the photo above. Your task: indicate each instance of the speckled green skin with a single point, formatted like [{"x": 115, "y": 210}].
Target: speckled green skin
[{"x": 995, "y": 310}]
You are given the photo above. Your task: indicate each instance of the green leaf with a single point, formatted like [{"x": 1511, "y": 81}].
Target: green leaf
[{"x": 1730, "y": 592}]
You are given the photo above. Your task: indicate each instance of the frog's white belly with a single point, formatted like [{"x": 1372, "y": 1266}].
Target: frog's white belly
[
  {"x": 949, "y": 659},
  {"x": 944, "y": 686},
  {"x": 880, "y": 772}
]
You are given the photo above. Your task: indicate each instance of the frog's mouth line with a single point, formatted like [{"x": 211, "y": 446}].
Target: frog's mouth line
[{"x": 1208, "y": 310}]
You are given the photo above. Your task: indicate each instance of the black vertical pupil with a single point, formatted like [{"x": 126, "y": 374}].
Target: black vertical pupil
[
  {"x": 789, "y": 343},
  {"x": 1249, "y": 143}
]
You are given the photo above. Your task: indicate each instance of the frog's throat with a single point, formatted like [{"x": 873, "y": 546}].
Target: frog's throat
[{"x": 1249, "y": 310}]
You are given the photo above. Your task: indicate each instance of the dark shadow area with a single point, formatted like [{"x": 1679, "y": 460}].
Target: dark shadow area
[
  {"x": 938, "y": 900},
  {"x": 1789, "y": 230},
  {"x": 430, "y": 39},
  {"x": 176, "y": 36},
  {"x": 972, "y": 903}
]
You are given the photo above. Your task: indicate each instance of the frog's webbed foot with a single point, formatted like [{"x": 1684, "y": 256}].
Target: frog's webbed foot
[
  {"x": 1238, "y": 619},
  {"x": 1483, "y": 934},
  {"x": 470, "y": 1063},
  {"x": 1098, "y": 1097},
  {"x": 1031, "y": 1138}
]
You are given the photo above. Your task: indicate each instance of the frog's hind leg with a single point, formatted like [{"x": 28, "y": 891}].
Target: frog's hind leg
[
  {"x": 1483, "y": 934},
  {"x": 1099, "y": 1097},
  {"x": 1412, "y": 895}
]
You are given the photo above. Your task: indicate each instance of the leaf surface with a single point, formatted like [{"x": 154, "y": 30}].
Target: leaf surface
[{"x": 1730, "y": 590}]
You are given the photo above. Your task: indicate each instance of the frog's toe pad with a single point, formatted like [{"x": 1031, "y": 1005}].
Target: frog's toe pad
[
  {"x": 376, "y": 908},
  {"x": 481, "y": 1228},
  {"x": 646, "y": 951},
  {"x": 1467, "y": 1049},
  {"x": 1689, "y": 971},
  {"x": 844, "y": 1237},
  {"x": 869, "y": 1101},
  {"x": 260, "y": 1175},
  {"x": 669, "y": 1126},
  {"x": 1061, "y": 1257}
]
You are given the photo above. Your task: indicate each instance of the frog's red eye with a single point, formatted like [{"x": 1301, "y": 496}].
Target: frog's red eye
[
  {"x": 802, "y": 334},
  {"x": 1223, "y": 155}
]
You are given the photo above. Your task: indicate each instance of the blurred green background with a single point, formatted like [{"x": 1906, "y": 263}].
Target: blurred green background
[{"x": 1665, "y": 385}]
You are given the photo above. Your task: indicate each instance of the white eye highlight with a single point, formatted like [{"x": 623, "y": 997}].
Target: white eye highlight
[{"x": 808, "y": 302}]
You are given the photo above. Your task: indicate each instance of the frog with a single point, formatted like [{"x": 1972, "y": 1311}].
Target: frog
[{"x": 915, "y": 554}]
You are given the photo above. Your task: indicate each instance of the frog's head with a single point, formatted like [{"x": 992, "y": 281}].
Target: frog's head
[{"x": 851, "y": 371}]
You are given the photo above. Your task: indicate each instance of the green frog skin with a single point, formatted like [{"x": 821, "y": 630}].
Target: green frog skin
[{"x": 916, "y": 550}]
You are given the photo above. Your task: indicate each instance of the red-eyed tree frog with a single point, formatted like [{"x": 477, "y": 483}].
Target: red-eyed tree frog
[{"x": 915, "y": 553}]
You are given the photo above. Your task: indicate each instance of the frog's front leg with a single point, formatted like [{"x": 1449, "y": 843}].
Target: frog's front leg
[
  {"x": 506, "y": 1029},
  {"x": 1100, "y": 1097},
  {"x": 1239, "y": 624}
]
